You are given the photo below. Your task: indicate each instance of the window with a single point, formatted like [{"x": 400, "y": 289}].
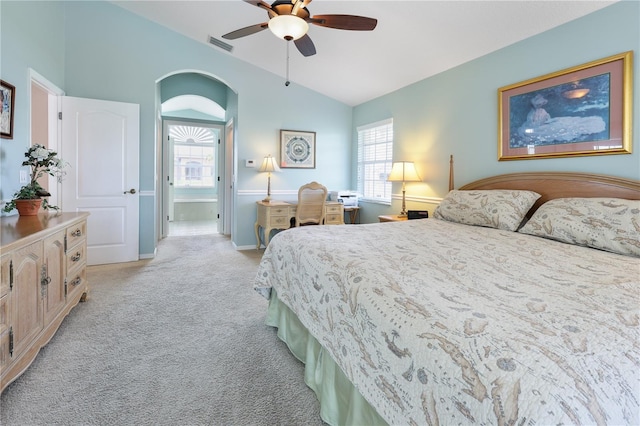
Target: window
[
  {"x": 375, "y": 156},
  {"x": 193, "y": 156},
  {"x": 193, "y": 165},
  {"x": 193, "y": 170}
]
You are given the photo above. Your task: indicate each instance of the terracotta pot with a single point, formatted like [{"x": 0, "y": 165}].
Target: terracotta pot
[{"x": 28, "y": 207}]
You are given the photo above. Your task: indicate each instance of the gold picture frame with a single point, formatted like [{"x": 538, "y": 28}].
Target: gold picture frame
[{"x": 579, "y": 111}]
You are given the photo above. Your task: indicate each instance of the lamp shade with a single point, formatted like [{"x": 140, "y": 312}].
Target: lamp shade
[
  {"x": 403, "y": 171},
  {"x": 269, "y": 164},
  {"x": 288, "y": 27}
]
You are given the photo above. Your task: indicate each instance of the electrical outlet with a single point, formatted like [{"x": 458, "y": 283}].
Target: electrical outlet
[{"x": 24, "y": 176}]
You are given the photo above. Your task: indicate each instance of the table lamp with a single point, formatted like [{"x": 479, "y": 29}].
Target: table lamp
[
  {"x": 269, "y": 165},
  {"x": 403, "y": 171}
]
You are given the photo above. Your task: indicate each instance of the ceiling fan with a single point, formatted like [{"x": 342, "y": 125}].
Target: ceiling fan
[{"x": 290, "y": 19}]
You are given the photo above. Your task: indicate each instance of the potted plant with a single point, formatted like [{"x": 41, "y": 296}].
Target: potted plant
[{"x": 29, "y": 198}]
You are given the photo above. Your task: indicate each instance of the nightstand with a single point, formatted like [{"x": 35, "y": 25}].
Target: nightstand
[
  {"x": 391, "y": 218},
  {"x": 272, "y": 215}
]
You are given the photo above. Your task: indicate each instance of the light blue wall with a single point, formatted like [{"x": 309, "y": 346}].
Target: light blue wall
[
  {"x": 98, "y": 50},
  {"x": 455, "y": 112},
  {"x": 26, "y": 42},
  {"x": 109, "y": 53},
  {"x": 196, "y": 84}
]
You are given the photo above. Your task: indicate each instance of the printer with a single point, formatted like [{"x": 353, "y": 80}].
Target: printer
[{"x": 347, "y": 198}]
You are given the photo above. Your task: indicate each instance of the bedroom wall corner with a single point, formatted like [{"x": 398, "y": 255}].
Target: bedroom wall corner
[{"x": 455, "y": 112}]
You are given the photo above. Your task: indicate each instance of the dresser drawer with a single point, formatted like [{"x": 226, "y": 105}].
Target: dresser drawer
[
  {"x": 76, "y": 283},
  {"x": 76, "y": 256},
  {"x": 76, "y": 233}
]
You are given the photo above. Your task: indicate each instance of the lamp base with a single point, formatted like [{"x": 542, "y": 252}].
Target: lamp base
[{"x": 267, "y": 200}]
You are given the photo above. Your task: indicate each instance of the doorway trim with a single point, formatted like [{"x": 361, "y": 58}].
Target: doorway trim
[
  {"x": 228, "y": 194},
  {"x": 54, "y": 140},
  {"x": 167, "y": 168}
]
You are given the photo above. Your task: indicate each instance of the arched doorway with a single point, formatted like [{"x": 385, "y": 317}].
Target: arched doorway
[{"x": 196, "y": 104}]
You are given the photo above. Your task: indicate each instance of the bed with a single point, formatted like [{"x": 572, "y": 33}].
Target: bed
[{"x": 518, "y": 303}]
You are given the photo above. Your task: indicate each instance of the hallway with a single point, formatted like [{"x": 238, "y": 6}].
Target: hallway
[{"x": 192, "y": 227}]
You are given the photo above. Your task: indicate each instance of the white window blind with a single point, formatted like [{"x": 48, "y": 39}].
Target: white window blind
[{"x": 375, "y": 156}]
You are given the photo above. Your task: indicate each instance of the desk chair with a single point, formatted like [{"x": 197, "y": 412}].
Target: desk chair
[{"x": 311, "y": 199}]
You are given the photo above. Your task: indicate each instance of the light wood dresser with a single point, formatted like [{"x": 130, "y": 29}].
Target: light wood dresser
[{"x": 43, "y": 266}]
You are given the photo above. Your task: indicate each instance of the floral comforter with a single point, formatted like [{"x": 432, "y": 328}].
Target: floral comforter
[{"x": 436, "y": 322}]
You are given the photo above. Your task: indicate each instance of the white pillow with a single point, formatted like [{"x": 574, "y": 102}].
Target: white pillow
[
  {"x": 495, "y": 208},
  {"x": 611, "y": 224}
]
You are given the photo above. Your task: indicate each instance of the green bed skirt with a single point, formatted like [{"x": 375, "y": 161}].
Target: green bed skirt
[{"x": 340, "y": 401}]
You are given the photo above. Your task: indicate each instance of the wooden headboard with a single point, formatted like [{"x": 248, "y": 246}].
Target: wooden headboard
[{"x": 552, "y": 185}]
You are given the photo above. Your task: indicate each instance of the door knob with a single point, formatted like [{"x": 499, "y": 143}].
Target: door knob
[{"x": 131, "y": 191}]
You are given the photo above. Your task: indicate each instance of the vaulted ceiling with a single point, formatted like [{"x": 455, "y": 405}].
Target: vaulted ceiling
[{"x": 412, "y": 41}]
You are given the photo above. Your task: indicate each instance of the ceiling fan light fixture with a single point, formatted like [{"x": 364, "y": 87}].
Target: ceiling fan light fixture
[{"x": 288, "y": 27}]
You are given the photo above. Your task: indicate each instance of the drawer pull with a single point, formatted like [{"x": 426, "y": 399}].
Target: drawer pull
[
  {"x": 76, "y": 282},
  {"x": 77, "y": 233},
  {"x": 76, "y": 257}
]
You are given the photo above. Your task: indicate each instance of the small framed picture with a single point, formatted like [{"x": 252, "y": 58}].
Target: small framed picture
[
  {"x": 297, "y": 149},
  {"x": 7, "y": 100}
]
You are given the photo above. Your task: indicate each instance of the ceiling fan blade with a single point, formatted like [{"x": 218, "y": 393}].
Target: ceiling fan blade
[
  {"x": 344, "y": 22},
  {"x": 299, "y": 4},
  {"x": 242, "y": 32},
  {"x": 305, "y": 45},
  {"x": 263, "y": 5}
]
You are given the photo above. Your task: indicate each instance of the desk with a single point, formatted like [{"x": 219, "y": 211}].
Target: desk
[
  {"x": 353, "y": 213},
  {"x": 278, "y": 215}
]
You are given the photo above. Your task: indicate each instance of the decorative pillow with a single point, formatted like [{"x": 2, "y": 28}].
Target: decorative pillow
[
  {"x": 495, "y": 208},
  {"x": 611, "y": 224}
]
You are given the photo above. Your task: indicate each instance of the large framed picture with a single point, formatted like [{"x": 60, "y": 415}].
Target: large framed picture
[
  {"x": 584, "y": 110},
  {"x": 297, "y": 149},
  {"x": 7, "y": 101}
]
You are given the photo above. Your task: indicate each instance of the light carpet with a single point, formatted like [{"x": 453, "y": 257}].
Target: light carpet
[{"x": 176, "y": 340}]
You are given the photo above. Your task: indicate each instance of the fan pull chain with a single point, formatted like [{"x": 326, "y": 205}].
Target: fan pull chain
[{"x": 287, "y": 82}]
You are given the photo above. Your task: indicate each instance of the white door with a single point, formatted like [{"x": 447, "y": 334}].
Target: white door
[
  {"x": 228, "y": 181},
  {"x": 100, "y": 140},
  {"x": 167, "y": 181}
]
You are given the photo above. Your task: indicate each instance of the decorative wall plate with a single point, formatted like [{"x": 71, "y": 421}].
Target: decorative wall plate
[{"x": 297, "y": 149}]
